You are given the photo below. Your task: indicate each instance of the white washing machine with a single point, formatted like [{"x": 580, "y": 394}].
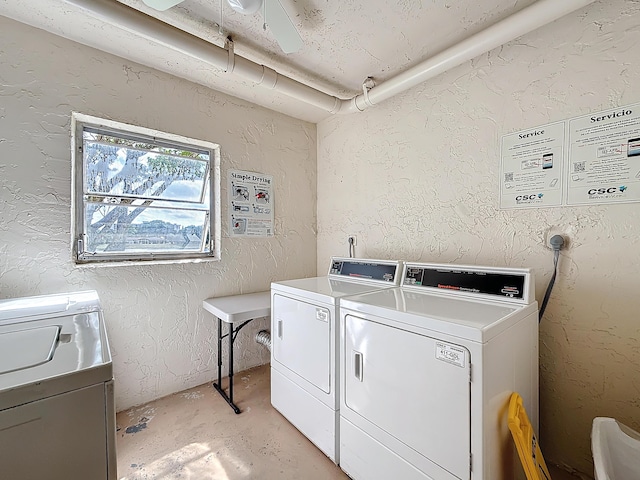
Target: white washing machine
[
  {"x": 427, "y": 371},
  {"x": 57, "y": 414},
  {"x": 305, "y": 333}
]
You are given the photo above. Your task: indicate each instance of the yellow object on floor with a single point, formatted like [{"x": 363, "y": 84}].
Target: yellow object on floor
[{"x": 526, "y": 442}]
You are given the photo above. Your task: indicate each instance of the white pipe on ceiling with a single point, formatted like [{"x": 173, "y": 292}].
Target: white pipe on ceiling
[
  {"x": 150, "y": 28},
  {"x": 516, "y": 25},
  {"x": 526, "y": 20}
]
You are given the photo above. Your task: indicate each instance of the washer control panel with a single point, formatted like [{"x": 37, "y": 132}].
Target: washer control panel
[
  {"x": 495, "y": 282},
  {"x": 381, "y": 270}
]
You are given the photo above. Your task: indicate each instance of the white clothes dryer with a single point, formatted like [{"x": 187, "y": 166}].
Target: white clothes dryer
[
  {"x": 427, "y": 371},
  {"x": 305, "y": 333},
  {"x": 57, "y": 413}
]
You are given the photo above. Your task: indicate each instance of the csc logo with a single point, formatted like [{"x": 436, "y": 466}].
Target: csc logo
[
  {"x": 524, "y": 198},
  {"x": 603, "y": 191}
]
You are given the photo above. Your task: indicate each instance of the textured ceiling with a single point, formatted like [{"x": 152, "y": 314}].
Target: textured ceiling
[{"x": 344, "y": 41}]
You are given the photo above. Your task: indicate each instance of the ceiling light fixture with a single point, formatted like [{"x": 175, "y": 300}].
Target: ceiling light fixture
[
  {"x": 161, "y": 5},
  {"x": 246, "y": 7},
  {"x": 275, "y": 16}
]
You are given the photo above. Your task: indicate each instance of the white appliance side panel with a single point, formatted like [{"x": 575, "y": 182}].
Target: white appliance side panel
[
  {"x": 61, "y": 437},
  {"x": 301, "y": 335},
  {"x": 364, "y": 458},
  {"x": 414, "y": 387},
  {"x": 510, "y": 365},
  {"x": 110, "y": 415},
  {"x": 313, "y": 418}
]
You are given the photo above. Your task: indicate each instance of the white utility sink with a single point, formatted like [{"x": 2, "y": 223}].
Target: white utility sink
[{"x": 616, "y": 450}]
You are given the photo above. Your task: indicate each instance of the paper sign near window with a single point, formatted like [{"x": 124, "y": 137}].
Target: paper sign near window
[{"x": 251, "y": 212}]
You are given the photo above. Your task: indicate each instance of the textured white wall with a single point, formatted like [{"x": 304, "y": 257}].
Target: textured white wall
[
  {"x": 161, "y": 338},
  {"x": 417, "y": 178}
]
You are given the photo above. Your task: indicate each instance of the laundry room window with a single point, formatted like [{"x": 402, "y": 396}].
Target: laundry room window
[{"x": 143, "y": 195}]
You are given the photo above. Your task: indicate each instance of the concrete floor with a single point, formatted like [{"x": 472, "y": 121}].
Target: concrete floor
[{"x": 195, "y": 435}]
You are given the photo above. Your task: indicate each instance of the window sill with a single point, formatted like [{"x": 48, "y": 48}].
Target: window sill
[{"x": 136, "y": 263}]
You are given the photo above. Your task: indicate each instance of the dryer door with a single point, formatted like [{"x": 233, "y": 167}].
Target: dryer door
[
  {"x": 302, "y": 339},
  {"x": 414, "y": 387}
]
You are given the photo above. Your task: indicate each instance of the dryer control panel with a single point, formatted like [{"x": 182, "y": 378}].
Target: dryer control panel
[
  {"x": 495, "y": 282},
  {"x": 386, "y": 271}
]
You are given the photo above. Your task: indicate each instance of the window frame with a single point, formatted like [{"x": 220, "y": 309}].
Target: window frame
[{"x": 80, "y": 122}]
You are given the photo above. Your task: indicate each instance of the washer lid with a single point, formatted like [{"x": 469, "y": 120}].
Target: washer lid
[
  {"x": 27, "y": 348},
  {"x": 79, "y": 356}
]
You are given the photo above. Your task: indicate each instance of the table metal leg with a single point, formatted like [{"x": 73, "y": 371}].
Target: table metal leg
[
  {"x": 231, "y": 339},
  {"x": 219, "y": 351},
  {"x": 218, "y": 386}
]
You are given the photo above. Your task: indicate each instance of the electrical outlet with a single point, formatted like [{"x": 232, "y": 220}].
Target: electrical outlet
[
  {"x": 551, "y": 232},
  {"x": 355, "y": 239}
]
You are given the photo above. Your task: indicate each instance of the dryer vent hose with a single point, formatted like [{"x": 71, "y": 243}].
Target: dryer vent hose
[{"x": 263, "y": 337}]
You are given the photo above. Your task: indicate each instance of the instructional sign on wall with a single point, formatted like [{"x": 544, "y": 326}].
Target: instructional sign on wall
[
  {"x": 250, "y": 204},
  {"x": 604, "y": 157},
  {"x": 586, "y": 160},
  {"x": 532, "y": 173}
]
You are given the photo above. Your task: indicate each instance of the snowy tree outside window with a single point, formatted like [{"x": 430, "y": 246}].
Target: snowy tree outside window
[{"x": 141, "y": 196}]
